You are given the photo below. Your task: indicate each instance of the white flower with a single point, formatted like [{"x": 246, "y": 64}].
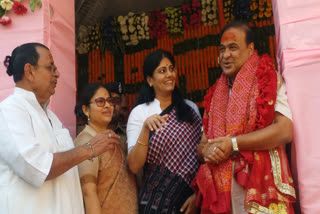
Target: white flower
[
  {"x": 130, "y": 14},
  {"x": 131, "y": 20},
  {"x": 83, "y": 32},
  {"x": 125, "y": 37},
  {"x": 131, "y": 28},
  {"x": 124, "y": 29},
  {"x": 6, "y": 4}
]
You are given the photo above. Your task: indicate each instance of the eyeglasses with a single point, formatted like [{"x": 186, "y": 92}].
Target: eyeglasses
[
  {"x": 100, "y": 101},
  {"x": 51, "y": 68}
]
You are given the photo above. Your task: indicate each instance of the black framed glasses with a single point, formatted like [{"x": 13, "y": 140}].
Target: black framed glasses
[{"x": 100, "y": 101}]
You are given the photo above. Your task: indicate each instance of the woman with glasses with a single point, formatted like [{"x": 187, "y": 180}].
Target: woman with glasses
[
  {"x": 163, "y": 132},
  {"x": 107, "y": 184}
]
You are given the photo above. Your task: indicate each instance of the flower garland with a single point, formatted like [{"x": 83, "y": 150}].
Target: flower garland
[
  {"x": 142, "y": 27},
  {"x": 157, "y": 24},
  {"x": 17, "y": 7},
  {"x": 133, "y": 28},
  {"x": 191, "y": 14},
  {"x": 209, "y": 12},
  {"x": 261, "y": 9},
  {"x": 227, "y": 10},
  {"x": 173, "y": 21}
]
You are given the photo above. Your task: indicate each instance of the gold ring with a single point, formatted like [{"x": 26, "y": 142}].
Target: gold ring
[{"x": 214, "y": 149}]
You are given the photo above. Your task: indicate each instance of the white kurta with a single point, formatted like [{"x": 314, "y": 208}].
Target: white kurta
[{"x": 29, "y": 135}]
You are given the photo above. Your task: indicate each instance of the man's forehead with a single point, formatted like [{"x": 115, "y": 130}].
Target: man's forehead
[
  {"x": 44, "y": 53},
  {"x": 232, "y": 35}
]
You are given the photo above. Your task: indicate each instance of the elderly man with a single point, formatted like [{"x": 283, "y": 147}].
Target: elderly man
[
  {"x": 38, "y": 172},
  {"x": 247, "y": 122}
]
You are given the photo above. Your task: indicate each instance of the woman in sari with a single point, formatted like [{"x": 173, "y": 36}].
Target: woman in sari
[
  {"x": 163, "y": 132},
  {"x": 107, "y": 184}
]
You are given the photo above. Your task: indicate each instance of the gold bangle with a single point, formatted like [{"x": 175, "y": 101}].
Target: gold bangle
[
  {"x": 92, "y": 150},
  {"x": 142, "y": 144}
]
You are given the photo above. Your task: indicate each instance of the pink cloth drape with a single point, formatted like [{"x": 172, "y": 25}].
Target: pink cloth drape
[
  {"x": 52, "y": 25},
  {"x": 298, "y": 36}
]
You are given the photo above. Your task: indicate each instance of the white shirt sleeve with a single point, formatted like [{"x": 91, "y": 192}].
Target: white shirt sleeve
[
  {"x": 282, "y": 105},
  {"x": 20, "y": 149},
  {"x": 134, "y": 126}
]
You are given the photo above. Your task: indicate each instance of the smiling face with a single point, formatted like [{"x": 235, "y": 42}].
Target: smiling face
[
  {"x": 99, "y": 117},
  {"x": 164, "y": 78},
  {"x": 234, "y": 51}
]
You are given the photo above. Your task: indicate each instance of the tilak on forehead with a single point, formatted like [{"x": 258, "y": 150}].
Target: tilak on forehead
[{"x": 228, "y": 37}]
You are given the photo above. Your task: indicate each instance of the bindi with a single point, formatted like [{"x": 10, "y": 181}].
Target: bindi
[{"x": 228, "y": 36}]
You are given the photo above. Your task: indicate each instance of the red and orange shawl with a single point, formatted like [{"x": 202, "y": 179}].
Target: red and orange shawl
[{"x": 269, "y": 187}]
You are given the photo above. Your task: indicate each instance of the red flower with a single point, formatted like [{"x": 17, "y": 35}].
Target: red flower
[
  {"x": 5, "y": 20},
  {"x": 19, "y": 8}
]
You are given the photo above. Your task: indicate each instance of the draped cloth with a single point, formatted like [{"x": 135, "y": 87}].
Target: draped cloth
[
  {"x": 264, "y": 174},
  {"x": 171, "y": 165},
  {"x": 116, "y": 187}
]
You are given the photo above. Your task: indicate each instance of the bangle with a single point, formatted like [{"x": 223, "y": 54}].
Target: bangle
[
  {"x": 92, "y": 150},
  {"x": 142, "y": 144}
]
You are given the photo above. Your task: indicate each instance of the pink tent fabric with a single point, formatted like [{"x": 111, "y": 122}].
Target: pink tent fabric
[
  {"x": 298, "y": 36},
  {"x": 52, "y": 25}
]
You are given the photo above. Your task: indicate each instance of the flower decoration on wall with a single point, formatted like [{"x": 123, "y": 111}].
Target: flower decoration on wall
[
  {"x": 83, "y": 46},
  {"x": 191, "y": 14},
  {"x": 142, "y": 26},
  {"x": 128, "y": 28},
  {"x": 227, "y": 10},
  {"x": 261, "y": 9},
  {"x": 157, "y": 24},
  {"x": 18, "y": 8},
  {"x": 173, "y": 21},
  {"x": 209, "y": 12},
  {"x": 94, "y": 37}
]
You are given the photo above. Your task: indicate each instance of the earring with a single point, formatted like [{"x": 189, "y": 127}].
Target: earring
[
  {"x": 218, "y": 61},
  {"x": 88, "y": 117},
  {"x": 150, "y": 85}
]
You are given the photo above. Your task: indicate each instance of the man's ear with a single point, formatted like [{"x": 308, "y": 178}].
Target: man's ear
[{"x": 29, "y": 72}]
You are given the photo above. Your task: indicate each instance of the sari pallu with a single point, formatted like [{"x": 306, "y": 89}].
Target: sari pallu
[
  {"x": 250, "y": 107},
  {"x": 116, "y": 187},
  {"x": 171, "y": 165}
]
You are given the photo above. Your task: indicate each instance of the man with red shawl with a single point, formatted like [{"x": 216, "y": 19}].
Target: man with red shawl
[{"x": 247, "y": 123}]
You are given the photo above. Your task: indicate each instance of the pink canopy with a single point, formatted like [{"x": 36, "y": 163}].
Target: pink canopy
[{"x": 53, "y": 25}]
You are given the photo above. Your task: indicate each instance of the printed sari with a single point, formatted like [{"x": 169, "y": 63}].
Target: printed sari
[
  {"x": 171, "y": 165},
  {"x": 116, "y": 186}
]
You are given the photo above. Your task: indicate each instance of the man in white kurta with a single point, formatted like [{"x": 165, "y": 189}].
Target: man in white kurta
[
  {"x": 38, "y": 162},
  {"x": 30, "y": 134}
]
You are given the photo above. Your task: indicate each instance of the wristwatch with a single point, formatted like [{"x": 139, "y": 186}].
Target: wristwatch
[{"x": 235, "y": 149}]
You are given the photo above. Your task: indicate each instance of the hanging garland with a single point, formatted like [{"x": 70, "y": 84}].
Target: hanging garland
[
  {"x": 191, "y": 14},
  {"x": 173, "y": 21},
  {"x": 157, "y": 24},
  {"x": 261, "y": 9},
  {"x": 209, "y": 12}
]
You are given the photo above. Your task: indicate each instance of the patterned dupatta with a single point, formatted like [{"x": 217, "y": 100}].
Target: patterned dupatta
[{"x": 250, "y": 107}]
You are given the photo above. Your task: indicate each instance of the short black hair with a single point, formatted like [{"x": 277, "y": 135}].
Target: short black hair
[
  {"x": 20, "y": 56},
  {"x": 243, "y": 26}
]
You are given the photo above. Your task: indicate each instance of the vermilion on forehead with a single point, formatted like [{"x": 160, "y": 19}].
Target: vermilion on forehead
[{"x": 228, "y": 37}]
